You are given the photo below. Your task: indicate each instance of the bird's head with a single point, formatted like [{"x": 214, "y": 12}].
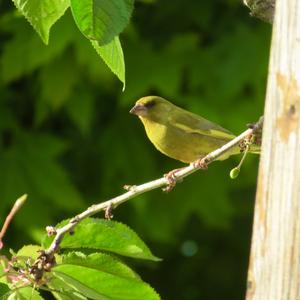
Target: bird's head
[{"x": 153, "y": 108}]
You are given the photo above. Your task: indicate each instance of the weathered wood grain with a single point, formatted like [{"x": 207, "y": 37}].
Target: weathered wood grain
[{"x": 274, "y": 270}]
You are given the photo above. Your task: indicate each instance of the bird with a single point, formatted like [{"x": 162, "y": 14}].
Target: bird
[{"x": 180, "y": 134}]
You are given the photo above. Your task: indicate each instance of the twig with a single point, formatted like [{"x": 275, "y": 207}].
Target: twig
[
  {"x": 18, "y": 204},
  {"x": 136, "y": 190}
]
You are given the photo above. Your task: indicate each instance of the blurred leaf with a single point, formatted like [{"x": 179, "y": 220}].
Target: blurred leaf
[
  {"x": 159, "y": 69},
  {"x": 24, "y": 293},
  {"x": 23, "y": 165},
  {"x": 29, "y": 251},
  {"x": 112, "y": 54},
  {"x": 42, "y": 14},
  {"x": 3, "y": 266},
  {"x": 25, "y": 52},
  {"x": 3, "y": 290},
  {"x": 213, "y": 209},
  {"x": 80, "y": 109},
  {"x": 7, "y": 119},
  {"x": 108, "y": 236},
  {"x": 99, "y": 276},
  {"x": 101, "y": 20},
  {"x": 58, "y": 81},
  {"x": 227, "y": 59}
]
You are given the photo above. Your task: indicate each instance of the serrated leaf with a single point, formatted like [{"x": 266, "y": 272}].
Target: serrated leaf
[
  {"x": 42, "y": 14},
  {"x": 99, "y": 276},
  {"x": 113, "y": 56},
  {"x": 101, "y": 20},
  {"x": 105, "y": 235}
]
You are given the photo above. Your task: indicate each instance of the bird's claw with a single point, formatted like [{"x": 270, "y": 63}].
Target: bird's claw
[
  {"x": 172, "y": 180},
  {"x": 108, "y": 212},
  {"x": 200, "y": 164},
  {"x": 257, "y": 131}
]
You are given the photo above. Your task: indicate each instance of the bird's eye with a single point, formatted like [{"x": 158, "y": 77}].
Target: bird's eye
[{"x": 150, "y": 104}]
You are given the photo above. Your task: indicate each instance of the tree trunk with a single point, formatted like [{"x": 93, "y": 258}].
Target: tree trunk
[{"x": 274, "y": 271}]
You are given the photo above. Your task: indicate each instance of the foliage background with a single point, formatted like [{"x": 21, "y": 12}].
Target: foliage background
[{"x": 68, "y": 141}]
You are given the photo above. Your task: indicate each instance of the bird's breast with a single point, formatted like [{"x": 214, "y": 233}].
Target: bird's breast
[{"x": 173, "y": 142}]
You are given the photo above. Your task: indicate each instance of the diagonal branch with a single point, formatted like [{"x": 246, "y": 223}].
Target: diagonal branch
[
  {"x": 136, "y": 190},
  {"x": 17, "y": 205}
]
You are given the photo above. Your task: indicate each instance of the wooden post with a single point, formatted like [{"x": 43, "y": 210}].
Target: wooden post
[{"x": 274, "y": 271}]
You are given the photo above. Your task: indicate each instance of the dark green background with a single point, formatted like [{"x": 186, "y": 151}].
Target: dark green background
[{"x": 68, "y": 140}]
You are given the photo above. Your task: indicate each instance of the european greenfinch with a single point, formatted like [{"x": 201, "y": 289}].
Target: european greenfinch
[{"x": 180, "y": 134}]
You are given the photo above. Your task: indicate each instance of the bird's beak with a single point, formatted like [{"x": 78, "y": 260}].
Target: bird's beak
[{"x": 139, "y": 110}]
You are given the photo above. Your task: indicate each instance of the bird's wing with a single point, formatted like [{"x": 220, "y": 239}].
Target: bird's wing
[{"x": 192, "y": 123}]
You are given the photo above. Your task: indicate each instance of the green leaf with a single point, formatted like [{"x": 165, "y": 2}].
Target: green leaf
[
  {"x": 61, "y": 291},
  {"x": 77, "y": 285},
  {"x": 65, "y": 292},
  {"x": 101, "y": 20},
  {"x": 105, "y": 235},
  {"x": 102, "y": 262},
  {"x": 29, "y": 251},
  {"x": 25, "y": 293},
  {"x": 42, "y": 14},
  {"x": 99, "y": 276},
  {"x": 112, "y": 54},
  {"x": 3, "y": 265},
  {"x": 72, "y": 295},
  {"x": 3, "y": 290}
]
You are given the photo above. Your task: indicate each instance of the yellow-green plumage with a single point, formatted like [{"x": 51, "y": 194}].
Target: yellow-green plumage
[{"x": 178, "y": 133}]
